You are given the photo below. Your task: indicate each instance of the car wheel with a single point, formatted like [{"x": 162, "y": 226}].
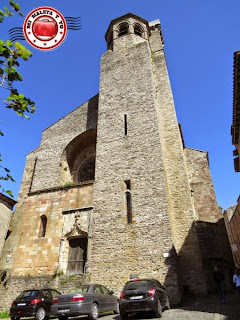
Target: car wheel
[
  {"x": 158, "y": 312},
  {"x": 116, "y": 310},
  {"x": 63, "y": 318},
  {"x": 41, "y": 313},
  {"x": 123, "y": 315},
  {"x": 93, "y": 315}
]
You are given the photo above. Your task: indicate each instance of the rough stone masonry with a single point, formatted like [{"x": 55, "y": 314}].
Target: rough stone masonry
[{"x": 112, "y": 191}]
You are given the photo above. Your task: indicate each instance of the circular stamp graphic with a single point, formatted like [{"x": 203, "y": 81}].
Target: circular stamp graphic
[{"x": 45, "y": 28}]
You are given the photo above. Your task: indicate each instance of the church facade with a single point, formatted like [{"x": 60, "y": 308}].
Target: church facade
[{"x": 112, "y": 192}]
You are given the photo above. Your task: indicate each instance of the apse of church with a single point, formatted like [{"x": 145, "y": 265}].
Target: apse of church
[{"x": 112, "y": 191}]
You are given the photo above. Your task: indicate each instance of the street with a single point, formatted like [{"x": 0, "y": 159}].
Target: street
[{"x": 194, "y": 308}]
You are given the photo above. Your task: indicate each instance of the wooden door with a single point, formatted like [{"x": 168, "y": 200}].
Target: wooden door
[{"x": 77, "y": 255}]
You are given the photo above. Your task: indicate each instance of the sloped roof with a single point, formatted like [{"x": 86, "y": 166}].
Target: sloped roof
[{"x": 11, "y": 202}]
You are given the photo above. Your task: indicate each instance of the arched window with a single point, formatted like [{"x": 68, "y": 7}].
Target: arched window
[
  {"x": 123, "y": 29},
  {"x": 87, "y": 171},
  {"x": 43, "y": 226},
  {"x": 138, "y": 30}
]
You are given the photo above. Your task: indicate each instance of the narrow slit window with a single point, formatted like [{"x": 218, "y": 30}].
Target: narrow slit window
[
  {"x": 43, "y": 227},
  {"x": 125, "y": 124},
  {"x": 129, "y": 207},
  {"x": 128, "y": 197},
  {"x": 128, "y": 184},
  {"x": 8, "y": 234}
]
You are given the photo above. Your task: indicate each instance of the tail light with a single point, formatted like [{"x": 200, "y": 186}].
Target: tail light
[
  {"x": 122, "y": 295},
  {"x": 55, "y": 300},
  {"x": 35, "y": 301},
  {"x": 78, "y": 297},
  {"x": 151, "y": 292}
]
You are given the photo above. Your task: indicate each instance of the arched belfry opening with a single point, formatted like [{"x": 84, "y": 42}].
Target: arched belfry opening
[
  {"x": 138, "y": 30},
  {"x": 123, "y": 29},
  {"x": 78, "y": 159},
  {"x": 127, "y": 25}
]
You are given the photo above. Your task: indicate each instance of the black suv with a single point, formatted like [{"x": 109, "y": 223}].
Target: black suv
[
  {"x": 36, "y": 303},
  {"x": 143, "y": 295}
]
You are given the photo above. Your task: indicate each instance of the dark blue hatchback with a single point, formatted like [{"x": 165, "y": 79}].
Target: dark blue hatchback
[
  {"x": 141, "y": 295},
  {"x": 33, "y": 303}
]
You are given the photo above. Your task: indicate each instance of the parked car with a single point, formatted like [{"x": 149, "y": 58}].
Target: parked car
[
  {"x": 33, "y": 303},
  {"x": 85, "y": 300},
  {"x": 143, "y": 295}
]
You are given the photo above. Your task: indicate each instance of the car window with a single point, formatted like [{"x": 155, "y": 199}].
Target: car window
[
  {"x": 105, "y": 290},
  {"x": 98, "y": 289},
  {"x": 55, "y": 293},
  {"x": 82, "y": 289},
  {"x": 46, "y": 294},
  {"x": 29, "y": 294},
  {"x": 133, "y": 285}
]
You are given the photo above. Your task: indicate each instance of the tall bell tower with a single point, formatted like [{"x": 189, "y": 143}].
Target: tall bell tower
[{"x": 143, "y": 210}]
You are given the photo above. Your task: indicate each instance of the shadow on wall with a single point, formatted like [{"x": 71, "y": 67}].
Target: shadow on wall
[
  {"x": 215, "y": 252},
  {"x": 92, "y": 115}
]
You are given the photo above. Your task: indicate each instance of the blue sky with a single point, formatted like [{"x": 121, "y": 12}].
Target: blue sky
[{"x": 200, "y": 39}]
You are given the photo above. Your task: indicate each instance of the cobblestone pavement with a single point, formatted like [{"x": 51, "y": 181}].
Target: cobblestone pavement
[{"x": 205, "y": 308}]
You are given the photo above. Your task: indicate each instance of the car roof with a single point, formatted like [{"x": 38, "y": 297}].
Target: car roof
[
  {"x": 91, "y": 284},
  {"x": 137, "y": 279},
  {"x": 40, "y": 289}
]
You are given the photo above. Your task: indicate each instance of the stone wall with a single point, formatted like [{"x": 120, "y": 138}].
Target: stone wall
[
  {"x": 128, "y": 87},
  {"x": 15, "y": 226},
  {"x": 201, "y": 185},
  {"x": 38, "y": 255},
  {"x": 45, "y": 190},
  {"x": 232, "y": 222},
  {"x": 181, "y": 206},
  {"x": 216, "y": 252},
  {"x": 55, "y": 139},
  {"x": 6, "y": 206}
]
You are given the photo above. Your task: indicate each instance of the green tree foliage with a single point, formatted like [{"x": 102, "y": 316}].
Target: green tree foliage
[{"x": 10, "y": 55}]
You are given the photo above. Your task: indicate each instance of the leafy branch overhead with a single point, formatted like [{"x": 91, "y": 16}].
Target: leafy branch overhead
[
  {"x": 9, "y": 12},
  {"x": 10, "y": 55},
  {"x": 9, "y": 61}
]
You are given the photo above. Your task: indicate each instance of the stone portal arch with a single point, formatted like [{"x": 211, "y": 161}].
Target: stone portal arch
[
  {"x": 79, "y": 152},
  {"x": 74, "y": 248}
]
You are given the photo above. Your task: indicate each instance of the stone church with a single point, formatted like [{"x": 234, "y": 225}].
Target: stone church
[{"x": 112, "y": 192}]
